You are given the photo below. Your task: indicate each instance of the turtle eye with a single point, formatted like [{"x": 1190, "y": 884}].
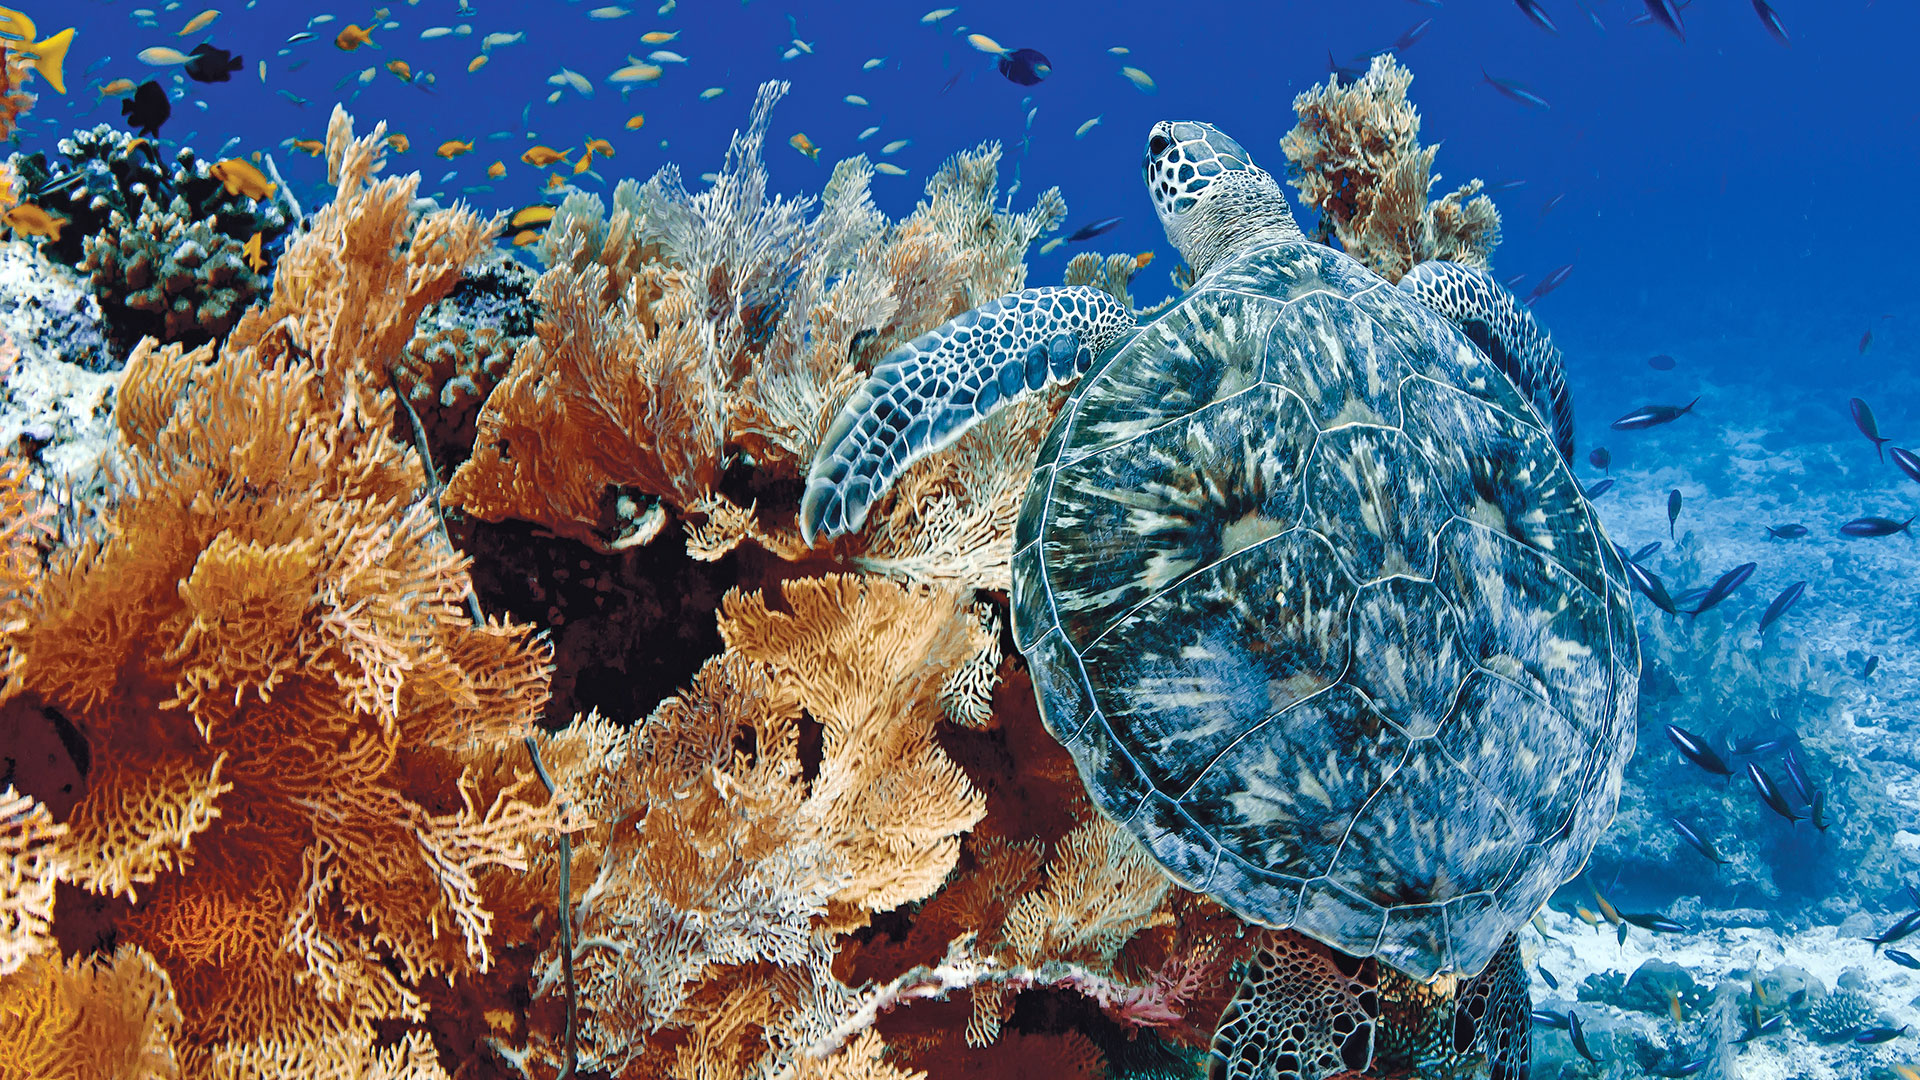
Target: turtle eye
[{"x": 1158, "y": 145}]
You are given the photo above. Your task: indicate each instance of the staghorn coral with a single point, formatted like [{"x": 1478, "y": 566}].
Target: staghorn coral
[
  {"x": 168, "y": 276},
  {"x": 1356, "y": 156},
  {"x": 690, "y": 331},
  {"x": 110, "y": 1017}
]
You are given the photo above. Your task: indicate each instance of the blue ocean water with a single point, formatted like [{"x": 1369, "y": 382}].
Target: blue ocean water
[{"x": 1741, "y": 205}]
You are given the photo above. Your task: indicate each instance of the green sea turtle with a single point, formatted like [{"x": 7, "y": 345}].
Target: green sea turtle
[{"x": 1310, "y": 593}]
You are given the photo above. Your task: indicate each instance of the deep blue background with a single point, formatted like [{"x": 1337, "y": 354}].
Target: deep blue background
[{"x": 1728, "y": 200}]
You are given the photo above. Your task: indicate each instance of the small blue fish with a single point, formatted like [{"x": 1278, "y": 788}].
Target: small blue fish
[
  {"x": 1088, "y": 232},
  {"x": 1647, "y": 416},
  {"x": 1771, "y": 19},
  {"x": 1770, "y": 792},
  {"x": 1414, "y": 34},
  {"x": 1540, "y": 19},
  {"x": 1579, "y": 1032},
  {"x": 1788, "y": 597},
  {"x": 1874, "y": 1035},
  {"x": 1651, "y": 587},
  {"x": 1699, "y": 843},
  {"x": 1600, "y": 458},
  {"x": 1723, "y": 587},
  {"x": 1673, "y": 510},
  {"x": 1797, "y": 776},
  {"x": 1908, "y": 462},
  {"x": 1904, "y": 958},
  {"x": 1874, "y": 526},
  {"x": 1661, "y": 362},
  {"x": 1791, "y": 531},
  {"x": 1863, "y": 419},
  {"x": 1664, "y": 13},
  {"x": 1546, "y": 1018},
  {"x": 1697, "y": 750},
  {"x": 1906, "y": 925},
  {"x": 1515, "y": 90},
  {"x": 1599, "y": 488},
  {"x": 1645, "y": 550},
  {"x": 1554, "y": 279}
]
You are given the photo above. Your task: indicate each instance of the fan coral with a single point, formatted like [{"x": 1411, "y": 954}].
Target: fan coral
[
  {"x": 1356, "y": 156},
  {"x": 689, "y": 330},
  {"x": 28, "y": 868},
  {"x": 89, "y": 1018}
]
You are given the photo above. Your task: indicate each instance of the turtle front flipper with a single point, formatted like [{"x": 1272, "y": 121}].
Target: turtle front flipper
[
  {"x": 927, "y": 393},
  {"x": 1493, "y": 1015},
  {"x": 1304, "y": 1012},
  {"x": 1484, "y": 311}
]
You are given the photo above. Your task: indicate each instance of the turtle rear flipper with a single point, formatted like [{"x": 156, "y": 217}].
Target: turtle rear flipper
[
  {"x": 1484, "y": 311},
  {"x": 924, "y": 395}
]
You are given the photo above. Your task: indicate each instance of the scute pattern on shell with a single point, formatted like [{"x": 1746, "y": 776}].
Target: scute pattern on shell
[{"x": 1323, "y": 618}]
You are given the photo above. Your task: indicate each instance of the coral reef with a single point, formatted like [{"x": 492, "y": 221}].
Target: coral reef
[
  {"x": 1356, "y": 156},
  {"x": 461, "y": 346},
  {"x": 1841, "y": 1013},
  {"x": 295, "y": 797},
  {"x": 56, "y": 386},
  {"x": 162, "y": 245}
]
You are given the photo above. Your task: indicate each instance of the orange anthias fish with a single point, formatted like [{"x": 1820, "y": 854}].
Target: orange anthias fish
[
  {"x": 30, "y": 220},
  {"x": 400, "y": 68},
  {"x": 116, "y": 88},
  {"x": 542, "y": 156},
  {"x": 399, "y": 143},
  {"x": 635, "y": 121},
  {"x": 600, "y": 146},
  {"x": 525, "y": 237},
  {"x": 532, "y": 215},
  {"x": 311, "y": 146},
  {"x": 241, "y": 177},
  {"x": 251, "y": 249},
  {"x": 453, "y": 148},
  {"x": 497, "y": 170},
  {"x": 805, "y": 145},
  {"x": 49, "y": 54},
  {"x": 583, "y": 165},
  {"x": 352, "y": 38},
  {"x": 556, "y": 181}
]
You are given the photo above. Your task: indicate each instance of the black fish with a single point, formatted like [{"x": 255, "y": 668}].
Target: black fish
[
  {"x": 1655, "y": 922},
  {"x": 1600, "y": 487},
  {"x": 1771, "y": 20},
  {"x": 1793, "y": 531},
  {"x": 1770, "y": 792},
  {"x": 1695, "y": 749},
  {"x": 1088, "y": 232},
  {"x": 1863, "y": 419},
  {"x": 1797, "y": 776},
  {"x": 1645, "y": 550},
  {"x": 210, "y": 65},
  {"x": 1908, "y": 462},
  {"x": 1700, "y": 843},
  {"x": 1025, "y": 66},
  {"x": 1908, "y": 924},
  {"x": 1667, "y": 15},
  {"x": 1872, "y": 662},
  {"x": 1788, "y": 597},
  {"x": 1579, "y": 1033},
  {"x": 1879, "y": 1035},
  {"x": 1651, "y": 587},
  {"x": 1673, "y": 510},
  {"x": 1771, "y": 1026},
  {"x": 1904, "y": 958},
  {"x": 1555, "y": 278},
  {"x": 1415, "y": 33},
  {"x": 1548, "y": 1019},
  {"x": 1818, "y": 811},
  {"x": 1874, "y": 526},
  {"x": 1723, "y": 587},
  {"x": 147, "y": 109},
  {"x": 1648, "y": 416},
  {"x": 1539, "y": 17},
  {"x": 1601, "y": 458},
  {"x": 1547, "y": 977},
  {"x": 1660, "y": 362}
]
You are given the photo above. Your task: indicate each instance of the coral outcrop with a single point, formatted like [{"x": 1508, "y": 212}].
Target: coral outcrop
[{"x": 1356, "y": 156}]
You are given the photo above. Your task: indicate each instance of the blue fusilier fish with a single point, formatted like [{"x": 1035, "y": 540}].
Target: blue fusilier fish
[
  {"x": 1579, "y": 1032},
  {"x": 1673, "y": 510},
  {"x": 1600, "y": 487},
  {"x": 1555, "y": 278},
  {"x": 1655, "y": 922},
  {"x": 1770, "y": 792},
  {"x": 1645, "y": 550},
  {"x": 1874, "y": 1035},
  {"x": 1547, "y": 977},
  {"x": 1872, "y": 663},
  {"x": 1788, "y": 597},
  {"x": 1863, "y": 419},
  {"x": 1908, "y": 924},
  {"x": 1547, "y": 1018},
  {"x": 1797, "y": 776},
  {"x": 1761, "y": 747},
  {"x": 1904, "y": 958},
  {"x": 1723, "y": 587},
  {"x": 1699, "y": 843},
  {"x": 1647, "y": 416},
  {"x": 1413, "y": 35},
  {"x": 1695, "y": 749},
  {"x": 1088, "y": 232},
  {"x": 1651, "y": 586},
  {"x": 1600, "y": 458},
  {"x": 1539, "y": 17},
  {"x": 1515, "y": 90},
  {"x": 1664, "y": 13},
  {"x": 1771, "y": 20},
  {"x": 1818, "y": 811},
  {"x": 1772, "y": 1025},
  {"x": 1874, "y": 526},
  {"x": 1908, "y": 463},
  {"x": 1685, "y": 1068},
  {"x": 1791, "y": 531}
]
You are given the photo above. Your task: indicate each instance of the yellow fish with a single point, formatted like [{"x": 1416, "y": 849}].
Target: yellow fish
[
  {"x": 805, "y": 145},
  {"x": 1907, "y": 1072},
  {"x": 1141, "y": 260},
  {"x": 199, "y": 22},
  {"x": 311, "y": 146},
  {"x": 161, "y": 56},
  {"x": 1588, "y": 917},
  {"x": 240, "y": 177},
  {"x": 532, "y": 215},
  {"x": 1606, "y": 909},
  {"x": 634, "y": 121},
  {"x": 555, "y": 181},
  {"x": 476, "y": 64},
  {"x": 659, "y": 37},
  {"x": 889, "y": 168},
  {"x": 583, "y": 165},
  {"x": 986, "y": 44},
  {"x": 1140, "y": 79},
  {"x": 352, "y": 38},
  {"x": 525, "y": 237},
  {"x": 399, "y": 143},
  {"x": 1673, "y": 1006},
  {"x": 1049, "y": 247},
  {"x": 251, "y": 249},
  {"x": 600, "y": 146},
  {"x": 636, "y": 73},
  {"x": 453, "y": 148},
  {"x": 400, "y": 68},
  {"x": 497, "y": 170},
  {"x": 542, "y": 156},
  {"x": 49, "y": 54},
  {"x": 116, "y": 88},
  {"x": 30, "y": 220}
]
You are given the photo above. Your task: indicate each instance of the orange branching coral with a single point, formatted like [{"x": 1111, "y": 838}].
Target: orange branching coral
[
  {"x": 1356, "y": 156},
  {"x": 266, "y": 652},
  {"x": 690, "y": 331},
  {"x": 710, "y": 903},
  {"x": 28, "y": 869},
  {"x": 99, "y": 1018},
  {"x": 348, "y": 291}
]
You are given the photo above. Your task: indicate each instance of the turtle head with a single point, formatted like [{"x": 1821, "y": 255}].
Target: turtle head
[{"x": 1212, "y": 199}]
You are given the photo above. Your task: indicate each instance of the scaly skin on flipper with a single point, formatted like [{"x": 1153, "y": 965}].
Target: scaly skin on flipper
[
  {"x": 1471, "y": 300},
  {"x": 924, "y": 395}
]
